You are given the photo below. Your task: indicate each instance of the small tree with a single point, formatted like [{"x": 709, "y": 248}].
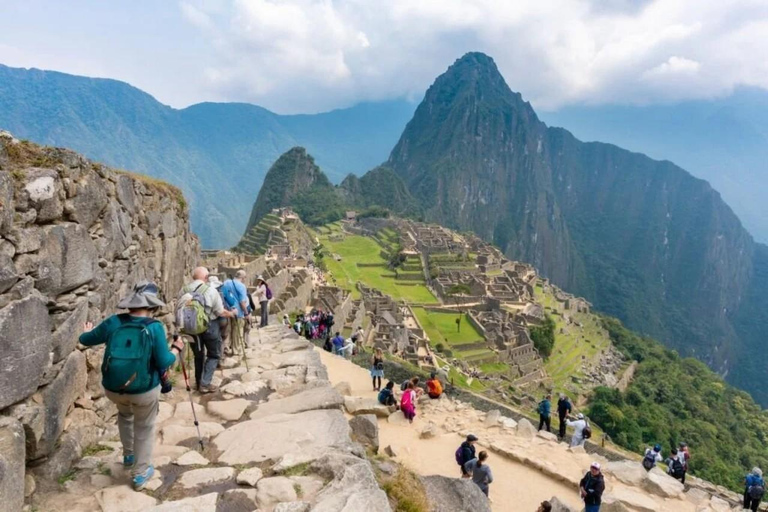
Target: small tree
[
  {"x": 456, "y": 292},
  {"x": 543, "y": 337}
]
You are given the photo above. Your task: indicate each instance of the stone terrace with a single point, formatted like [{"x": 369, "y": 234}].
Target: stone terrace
[{"x": 276, "y": 439}]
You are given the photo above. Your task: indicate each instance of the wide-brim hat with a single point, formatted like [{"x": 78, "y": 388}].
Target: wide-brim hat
[
  {"x": 214, "y": 281},
  {"x": 144, "y": 296},
  {"x": 260, "y": 278}
]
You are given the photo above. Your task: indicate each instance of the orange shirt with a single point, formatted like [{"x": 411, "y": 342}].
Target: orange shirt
[{"x": 434, "y": 387}]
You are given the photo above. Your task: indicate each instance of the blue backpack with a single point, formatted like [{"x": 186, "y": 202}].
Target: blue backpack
[{"x": 127, "y": 364}]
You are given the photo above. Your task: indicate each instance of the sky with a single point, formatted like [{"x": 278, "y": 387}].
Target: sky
[{"x": 315, "y": 55}]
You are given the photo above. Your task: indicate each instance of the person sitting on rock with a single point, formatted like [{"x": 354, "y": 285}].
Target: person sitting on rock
[
  {"x": 578, "y": 429},
  {"x": 676, "y": 466},
  {"x": 408, "y": 403},
  {"x": 480, "y": 471},
  {"x": 387, "y": 395},
  {"x": 754, "y": 489},
  {"x": 465, "y": 453},
  {"x": 131, "y": 373},
  {"x": 434, "y": 388},
  {"x": 416, "y": 388},
  {"x": 591, "y": 488}
]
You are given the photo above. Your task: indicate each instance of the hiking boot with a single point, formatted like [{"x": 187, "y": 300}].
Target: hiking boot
[
  {"x": 140, "y": 481},
  {"x": 129, "y": 460},
  {"x": 204, "y": 390}
]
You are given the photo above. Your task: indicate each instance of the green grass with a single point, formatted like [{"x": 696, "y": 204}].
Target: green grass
[
  {"x": 68, "y": 476},
  {"x": 93, "y": 449},
  {"x": 441, "y": 328},
  {"x": 356, "y": 249}
]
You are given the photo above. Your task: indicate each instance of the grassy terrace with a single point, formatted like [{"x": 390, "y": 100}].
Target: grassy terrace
[
  {"x": 441, "y": 328},
  {"x": 355, "y": 250}
]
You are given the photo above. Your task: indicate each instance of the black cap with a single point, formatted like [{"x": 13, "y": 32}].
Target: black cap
[{"x": 471, "y": 437}]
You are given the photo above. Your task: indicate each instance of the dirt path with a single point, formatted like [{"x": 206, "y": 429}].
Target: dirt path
[{"x": 516, "y": 487}]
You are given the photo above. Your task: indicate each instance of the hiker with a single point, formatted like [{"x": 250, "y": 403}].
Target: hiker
[
  {"x": 591, "y": 488},
  {"x": 545, "y": 411},
  {"x": 338, "y": 344},
  {"x": 434, "y": 388},
  {"x": 682, "y": 448},
  {"x": 754, "y": 489},
  {"x": 236, "y": 300},
  {"x": 327, "y": 345},
  {"x": 544, "y": 507},
  {"x": 480, "y": 471},
  {"x": 206, "y": 346},
  {"x": 651, "y": 457},
  {"x": 348, "y": 349},
  {"x": 408, "y": 403},
  {"x": 377, "y": 369},
  {"x": 676, "y": 466},
  {"x": 563, "y": 410},
  {"x": 465, "y": 453},
  {"x": 214, "y": 282},
  {"x": 358, "y": 336},
  {"x": 263, "y": 295},
  {"x": 387, "y": 395},
  {"x": 131, "y": 373},
  {"x": 416, "y": 388},
  {"x": 579, "y": 425}
]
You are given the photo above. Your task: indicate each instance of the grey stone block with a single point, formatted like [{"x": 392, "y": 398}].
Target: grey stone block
[{"x": 11, "y": 465}]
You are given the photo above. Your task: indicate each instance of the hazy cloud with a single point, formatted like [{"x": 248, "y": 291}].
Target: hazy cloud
[{"x": 298, "y": 55}]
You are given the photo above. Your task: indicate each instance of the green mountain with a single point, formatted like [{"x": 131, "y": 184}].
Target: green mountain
[
  {"x": 643, "y": 240},
  {"x": 217, "y": 153}
]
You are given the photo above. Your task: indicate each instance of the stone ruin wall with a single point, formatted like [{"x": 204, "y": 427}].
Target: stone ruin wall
[{"x": 75, "y": 237}]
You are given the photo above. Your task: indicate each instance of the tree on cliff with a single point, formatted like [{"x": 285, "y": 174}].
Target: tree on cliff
[{"x": 456, "y": 292}]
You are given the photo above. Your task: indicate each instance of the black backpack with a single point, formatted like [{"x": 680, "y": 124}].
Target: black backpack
[
  {"x": 678, "y": 470},
  {"x": 587, "y": 432},
  {"x": 649, "y": 460},
  {"x": 757, "y": 491}
]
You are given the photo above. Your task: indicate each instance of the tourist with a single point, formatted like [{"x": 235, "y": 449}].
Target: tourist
[
  {"x": 223, "y": 319},
  {"x": 358, "y": 336},
  {"x": 591, "y": 488},
  {"x": 676, "y": 466},
  {"x": 683, "y": 449},
  {"x": 563, "y": 410},
  {"x": 754, "y": 489},
  {"x": 465, "y": 453},
  {"x": 131, "y": 381},
  {"x": 338, "y": 344},
  {"x": 434, "y": 388},
  {"x": 377, "y": 369},
  {"x": 408, "y": 403},
  {"x": 544, "y": 507},
  {"x": 416, "y": 388},
  {"x": 236, "y": 300},
  {"x": 327, "y": 345},
  {"x": 348, "y": 349},
  {"x": 578, "y": 430},
  {"x": 651, "y": 457},
  {"x": 263, "y": 294},
  {"x": 545, "y": 411},
  {"x": 206, "y": 346},
  {"x": 480, "y": 471},
  {"x": 387, "y": 395}
]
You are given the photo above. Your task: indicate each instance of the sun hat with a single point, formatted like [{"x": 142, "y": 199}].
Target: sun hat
[
  {"x": 595, "y": 465},
  {"x": 214, "y": 281},
  {"x": 144, "y": 296}
]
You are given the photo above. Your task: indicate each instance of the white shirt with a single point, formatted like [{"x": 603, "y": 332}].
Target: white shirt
[
  {"x": 659, "y": 458},
  {"x": 261, "y": 293},
  {"x": 578, "y": 427}
]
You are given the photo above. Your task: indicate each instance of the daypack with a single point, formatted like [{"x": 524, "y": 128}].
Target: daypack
[
  {"x": 269, "y": 292},
  {"x": 649, "y": 460},
  {"x": 587, "y": 432},
  {"x": 677, "y": 468},
  {"x": 757, "y": 491},
  {"x": 191, "y": 317},
  {"x": 126, "y": 367},
  {"x": 541, "y": 408},
  {"x": 459, "y": 456}
]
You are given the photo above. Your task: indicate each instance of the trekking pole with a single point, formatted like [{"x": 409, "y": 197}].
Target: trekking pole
[
  {"x": 191, "y": 402},
  {"x": 242, "y": 347}
]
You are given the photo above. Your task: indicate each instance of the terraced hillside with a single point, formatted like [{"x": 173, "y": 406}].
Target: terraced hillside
[{"x": 266, "y": 232}]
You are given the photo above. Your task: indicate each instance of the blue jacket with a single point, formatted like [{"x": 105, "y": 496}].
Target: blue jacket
[
  {"x": 546, "y": 407},
  {"x": 754, "y": 480}
]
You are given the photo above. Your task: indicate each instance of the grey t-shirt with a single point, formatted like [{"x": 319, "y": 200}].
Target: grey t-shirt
[{"x": 481, "y": 475}]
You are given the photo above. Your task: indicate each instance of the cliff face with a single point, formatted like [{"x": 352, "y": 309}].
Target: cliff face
[
  {"x": 75, "y": 236},
  {"x": 642, "y": 239}
]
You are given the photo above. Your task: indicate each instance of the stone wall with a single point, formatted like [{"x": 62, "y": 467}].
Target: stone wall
[{"x": 75, "y": 237}]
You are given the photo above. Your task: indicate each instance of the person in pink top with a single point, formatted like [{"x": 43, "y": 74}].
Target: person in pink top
[{"x": 408, "y": 403}]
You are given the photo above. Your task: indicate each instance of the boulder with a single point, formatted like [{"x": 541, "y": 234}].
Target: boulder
[
  {"x": 273, "y": 490},
  {"x": 12, "y": 460},
  {"x": 559, "y": 506},
  {"x": 697, "y": 496},
  {"x": 25, "y": 335},
  {"x": 454, "y": 495},
  {"x": 122, "y": 498},
  {"x": 64, "y": 338},
  {"x": 191, "y": 458},
  {"x": 205, "y": 476},
  {"x": 204, "y": 503},
  {"x": 626, "y": 471},
  {"x": 229, "y": 410},
  {"x": 125, "y": 193},
  {"x": 661, "y": 484},
  {"x": 353, "y": 486},
  {"x": 43, "y": 188},
  {"x": 344, "y": 389},
  {"x": 632, "y": 499},
  {"x": 525, "y": 429},
  {"x": 549, "y": 436},
  {"x": 718, "y": 504},
  {"x": 312, "y": 399},
  {"x": 357, "y": 405},
  {"x": 492, "y": 417},
  {"x": 429, "y": 431},
  {"x": 250, "y": 476},
  {"x": 397, "y": 418},
  {"x": 89, "y": 201},
  {"x": 302, "y": 432},
  {"x": 67, "y": 258},
  {"x": 365, "y": 430}
]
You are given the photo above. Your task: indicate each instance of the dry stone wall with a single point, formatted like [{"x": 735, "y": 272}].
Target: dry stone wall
[{"x": 75, "y": 236}]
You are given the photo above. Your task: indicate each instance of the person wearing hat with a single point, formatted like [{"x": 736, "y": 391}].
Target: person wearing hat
[
  {"x": 578, "y": 429},
  {"x": 236, "y": 300},
  {"x": 466, "y": 453},
  {"x": 207, "y": 346},
  {"x": 591, "y": 488},
  {"x": 131, "y": 372},
  {"x": 262, "y": 298}
]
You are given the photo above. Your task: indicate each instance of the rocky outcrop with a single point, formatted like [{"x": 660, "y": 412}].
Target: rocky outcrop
[
  {"x": 454, "y": 495},
  {"x": 74, "y": 237}
]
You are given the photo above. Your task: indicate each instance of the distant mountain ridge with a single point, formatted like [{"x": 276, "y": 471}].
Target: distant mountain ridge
[
  {"x": 218, "y": 153},
  {"x": 642, "y": 239}
]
